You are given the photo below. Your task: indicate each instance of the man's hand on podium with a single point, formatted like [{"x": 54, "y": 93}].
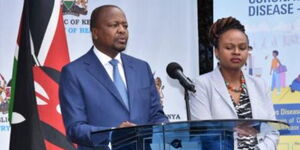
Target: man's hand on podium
[{"x": 126, "y": 124}]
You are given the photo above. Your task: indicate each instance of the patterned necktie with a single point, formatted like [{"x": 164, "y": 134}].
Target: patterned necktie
[{"x": 119, "y": 82}]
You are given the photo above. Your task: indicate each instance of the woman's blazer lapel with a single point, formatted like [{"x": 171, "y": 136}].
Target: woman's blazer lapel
[{"x": 221, "y": 89}]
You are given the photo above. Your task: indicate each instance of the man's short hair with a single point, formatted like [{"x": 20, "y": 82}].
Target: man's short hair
[{"x": 96, "y": 12}]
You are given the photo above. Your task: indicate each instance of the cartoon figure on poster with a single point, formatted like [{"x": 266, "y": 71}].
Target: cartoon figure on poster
[
  {"x": 278, "y": 73},
  {"x": 295, "y": 86}
]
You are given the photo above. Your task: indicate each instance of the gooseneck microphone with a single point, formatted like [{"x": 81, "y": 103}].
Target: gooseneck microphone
[{"x": 175, "y": 71}]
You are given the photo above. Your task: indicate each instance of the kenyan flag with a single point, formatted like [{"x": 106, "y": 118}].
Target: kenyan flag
[
  {"x": 34, "y": 110},
  {"x": 25, "y": 124}
]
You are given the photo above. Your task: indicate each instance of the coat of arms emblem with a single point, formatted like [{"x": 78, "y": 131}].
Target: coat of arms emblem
[{"x": 74, "y": 7}]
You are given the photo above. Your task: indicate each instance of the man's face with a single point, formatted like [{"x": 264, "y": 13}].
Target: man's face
[{"x": 110, "y": 34}]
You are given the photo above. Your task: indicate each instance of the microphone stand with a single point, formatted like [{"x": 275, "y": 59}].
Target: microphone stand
[{"x": 187, "y": 104}]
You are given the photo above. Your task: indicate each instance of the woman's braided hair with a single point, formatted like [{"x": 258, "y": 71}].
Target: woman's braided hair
[{"x": 222, "y": 25}]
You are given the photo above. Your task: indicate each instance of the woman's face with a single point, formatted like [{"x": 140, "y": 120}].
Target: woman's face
[{"x": 233, "y": 49}]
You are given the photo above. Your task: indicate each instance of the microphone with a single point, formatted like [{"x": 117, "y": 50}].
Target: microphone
[{"x": 175, "y": 71}]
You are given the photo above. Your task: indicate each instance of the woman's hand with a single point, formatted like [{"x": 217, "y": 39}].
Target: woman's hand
[{"x": 245, "y": 130}]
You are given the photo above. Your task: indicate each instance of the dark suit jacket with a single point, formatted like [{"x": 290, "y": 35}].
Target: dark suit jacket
[{"x": 90, "y": 101}]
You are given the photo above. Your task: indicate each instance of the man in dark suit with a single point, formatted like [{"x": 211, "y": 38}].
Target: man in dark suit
[{"x": 106, "y": 88}]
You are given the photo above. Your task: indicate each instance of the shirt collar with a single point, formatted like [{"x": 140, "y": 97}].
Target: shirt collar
[{"x": 104, "y": 59}]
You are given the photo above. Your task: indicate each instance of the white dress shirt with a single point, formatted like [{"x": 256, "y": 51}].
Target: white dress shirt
[{"x": 104, "y": 59}]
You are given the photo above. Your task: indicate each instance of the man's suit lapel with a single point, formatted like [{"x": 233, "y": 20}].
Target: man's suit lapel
[
  {"x": 96, "y": 69},
  {"x": 218, "y": 83},
  {"x": 130, "y": 80}
]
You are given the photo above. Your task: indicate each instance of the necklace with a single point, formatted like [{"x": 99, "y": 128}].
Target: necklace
[{"x": 236, "y": 89}]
